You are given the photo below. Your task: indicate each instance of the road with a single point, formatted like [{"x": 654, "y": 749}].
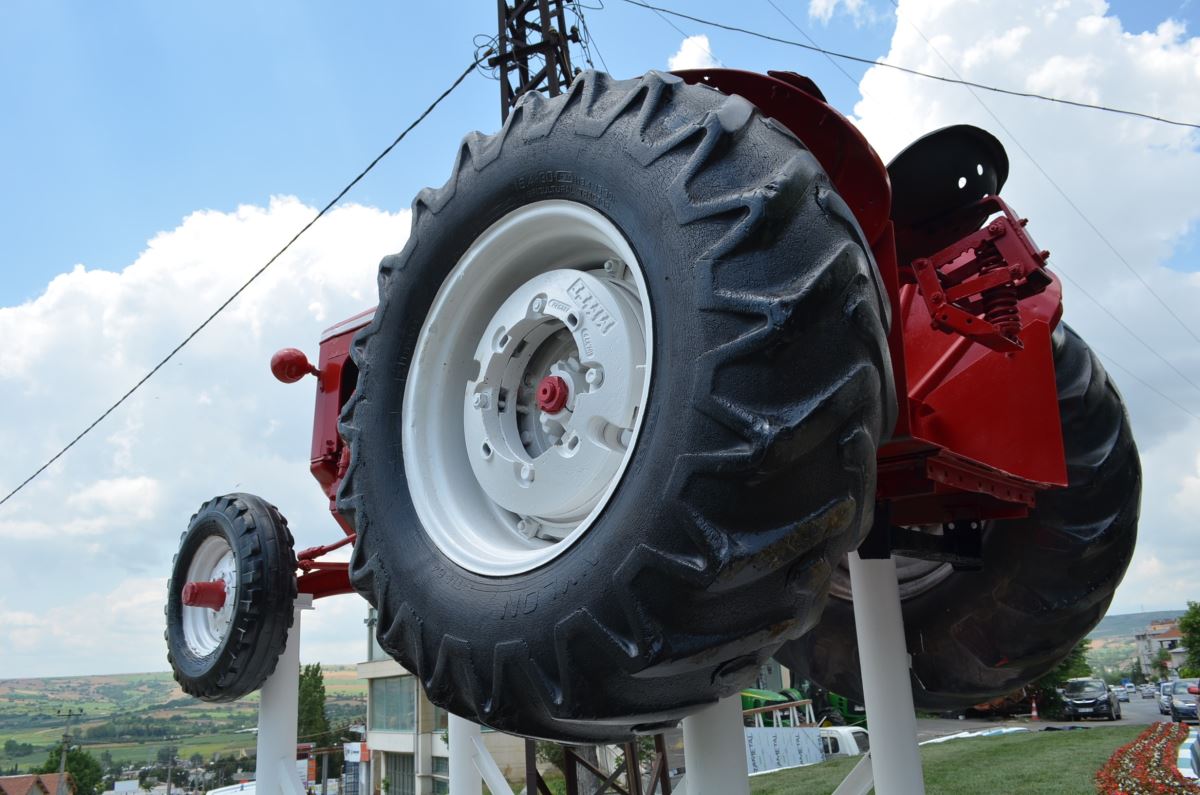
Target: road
[{"x": 1137, "y": 710}]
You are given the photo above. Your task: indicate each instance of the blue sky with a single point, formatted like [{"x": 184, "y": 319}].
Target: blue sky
[
  {"x": 157, "y": 145},
  {"x": 121, "y": 120}
]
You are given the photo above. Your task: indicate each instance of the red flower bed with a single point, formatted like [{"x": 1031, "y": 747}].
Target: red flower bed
[{"x": 1147, "y": 766}]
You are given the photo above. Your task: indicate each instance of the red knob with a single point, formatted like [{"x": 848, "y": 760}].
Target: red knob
[
  {"x": 552, "y": 394},
  {"x": 205, "y": 594},
  {"x": 289, "y": 365}
]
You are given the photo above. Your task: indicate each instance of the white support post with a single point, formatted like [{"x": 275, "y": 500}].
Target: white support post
[
  {"x": 464, "y": 775},
  {"x": 278, "y": 706},
  {"x": 714, "y": 750},
  {"x": 887, "y": 689}
]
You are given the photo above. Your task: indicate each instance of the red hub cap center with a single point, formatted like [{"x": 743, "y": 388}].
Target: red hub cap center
[
  {"x": 205, "y": 594},
  {"x": 552, "y": 394}
]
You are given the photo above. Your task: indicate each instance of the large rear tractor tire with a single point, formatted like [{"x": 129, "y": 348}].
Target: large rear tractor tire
[
  {"x": 617, "y": 412},
  {"x": 239, "y": 545},
  {"x": 1046, "y": 581}
]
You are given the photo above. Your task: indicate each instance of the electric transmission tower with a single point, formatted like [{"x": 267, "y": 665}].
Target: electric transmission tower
[{"x": 533, "y": 50}]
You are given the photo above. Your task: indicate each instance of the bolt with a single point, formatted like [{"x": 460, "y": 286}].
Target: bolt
[
  {"x": 526, "y": 473},
  {"x": 1045, "y": 255},
  {"x": 528, "y": 527},
  {"x": 480, "y": 401},
  {"x": 594, "y": 376},
  {"x": 937, "y": 299},
  {"x": 995, "y": 228},
  {"x": 613, "y": 267},
  {"x": 538, "y": 304}
]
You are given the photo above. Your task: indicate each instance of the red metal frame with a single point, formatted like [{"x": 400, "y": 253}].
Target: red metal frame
[{"x": 977, "y": 434}]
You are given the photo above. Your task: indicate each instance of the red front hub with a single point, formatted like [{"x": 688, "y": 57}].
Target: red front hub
[
  {"x": 205, "y": 594},
  {"x": 552, "y": 394}
]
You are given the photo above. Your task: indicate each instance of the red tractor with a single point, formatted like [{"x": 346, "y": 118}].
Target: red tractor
[{"x": 653, "y": 361}]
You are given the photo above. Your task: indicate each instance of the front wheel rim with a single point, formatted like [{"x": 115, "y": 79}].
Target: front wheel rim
[
  {"x": 528, "y": 387},
  {"x": 205, "y": 629}
]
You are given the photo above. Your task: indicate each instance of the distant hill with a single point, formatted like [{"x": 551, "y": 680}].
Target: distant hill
[
  {"x": 130, "y": 716},
  {"x": 1126, "y": 625}
]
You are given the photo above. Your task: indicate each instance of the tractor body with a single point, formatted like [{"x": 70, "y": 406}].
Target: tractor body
[{"x": 977, "y": 433}]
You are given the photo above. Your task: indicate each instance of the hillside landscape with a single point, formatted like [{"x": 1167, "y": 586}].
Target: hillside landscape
[{"x": 129, "y": 717}]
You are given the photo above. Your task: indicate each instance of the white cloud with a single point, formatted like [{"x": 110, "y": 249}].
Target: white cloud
[
  {"x": 1135, "y": 180},
  {"x": 89, "y": 544},
  {"x": 823, "y": 10},
  {"x": 694, "y": 53}
]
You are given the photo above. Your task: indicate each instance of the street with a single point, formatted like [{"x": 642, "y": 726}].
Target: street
[{"x": 1137, "y": 710}]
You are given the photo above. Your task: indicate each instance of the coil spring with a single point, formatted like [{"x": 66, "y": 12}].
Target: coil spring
[{"x": 1000, "y": 303}]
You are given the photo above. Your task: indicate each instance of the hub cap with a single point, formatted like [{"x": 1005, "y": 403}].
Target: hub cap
[
  {"x": 204, "y": 629},
  {"x": 541, "y": 337}
]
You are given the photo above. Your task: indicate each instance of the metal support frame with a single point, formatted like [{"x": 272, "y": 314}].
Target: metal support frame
[
  {"x": 532, "y": 30},
  {"x": 714, "y": 750},
  {"x": 278, "y": 707},
  {"x": 895, "y": 760}
]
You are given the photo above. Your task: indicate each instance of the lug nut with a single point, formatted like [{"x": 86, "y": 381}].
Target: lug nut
[
  {"x": 538, "y": 304},
  {"x": 480, "y": 401},
  {"x": 594, "y": 376},
  {"x": 528, "y": 527},
  {"x": 526, "y": 473}
]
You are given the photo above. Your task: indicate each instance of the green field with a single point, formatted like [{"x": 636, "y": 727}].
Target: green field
[
  {"x": 1037, "y": 763},
  {"x": 131, "y": 716}
]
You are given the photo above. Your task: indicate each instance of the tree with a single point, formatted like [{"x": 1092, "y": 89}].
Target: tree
[
  {"x": 1189, "y": 628},
  {"x": 1045, "y": 690},
  {"x": 82, "y": 766},
  {"x": 1162, "y": 663},
  {"x": 166, "y": 753},
  {"x": 312, "y": 724},
  {"x": 1136, "y": 675}
]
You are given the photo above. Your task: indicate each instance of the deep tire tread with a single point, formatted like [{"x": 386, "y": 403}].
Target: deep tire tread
[
  {"x": 844, "y": 409},
  {"x": 263, "y": 545}
]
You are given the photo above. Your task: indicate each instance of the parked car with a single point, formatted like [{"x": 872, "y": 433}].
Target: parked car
[
  {"x": 844, "y": 741},
  {"x": 1164, "y": 698},
  {"x": 1183, "y": 700},
  {"x": 1090, "y": 698}
]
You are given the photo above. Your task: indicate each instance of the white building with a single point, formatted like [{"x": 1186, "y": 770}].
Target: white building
[{"x": 407, "y": 734}]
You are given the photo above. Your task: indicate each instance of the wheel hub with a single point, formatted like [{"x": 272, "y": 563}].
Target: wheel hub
[
  {"x": 527, "y": 388},
  {"x": 214, "y": 569},
  {"x": 548, "y": 421}
]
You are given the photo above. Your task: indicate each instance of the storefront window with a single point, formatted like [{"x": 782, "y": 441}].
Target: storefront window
[{"x": 393, "y": 704}]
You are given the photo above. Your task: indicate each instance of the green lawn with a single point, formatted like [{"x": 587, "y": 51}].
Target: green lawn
[{"x": 1036, "y": 763}]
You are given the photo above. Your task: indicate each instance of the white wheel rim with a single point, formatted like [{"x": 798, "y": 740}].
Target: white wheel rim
[
  {"x": 204, "y": 629},
  {"x": 552, "y": 290}
]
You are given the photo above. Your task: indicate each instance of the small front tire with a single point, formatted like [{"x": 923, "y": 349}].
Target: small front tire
[{"x": 223, "y": 653}]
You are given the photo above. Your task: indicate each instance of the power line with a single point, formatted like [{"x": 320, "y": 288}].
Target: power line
[
  {"x": 685, "y": 35},
  {"x": 1099, "y": 234},
  {"x": 1143, "y": 382},
  {"x": 577, "y": 8},
  {"x": 251, "y": 280},
  {"x": 1079, "y": 287},
  {"x": 905, "y": 69},
  {"x": 813, "y": 42}
]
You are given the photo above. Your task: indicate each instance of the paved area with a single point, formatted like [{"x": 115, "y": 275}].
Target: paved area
[{"x": 1137, "y": 710}]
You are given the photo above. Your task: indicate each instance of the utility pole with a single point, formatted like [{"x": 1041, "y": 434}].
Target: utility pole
[
  {"x": 170, "y": 766},
  {"x": 532, "y": 50},
  {"x": 66, "y": 742}
]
